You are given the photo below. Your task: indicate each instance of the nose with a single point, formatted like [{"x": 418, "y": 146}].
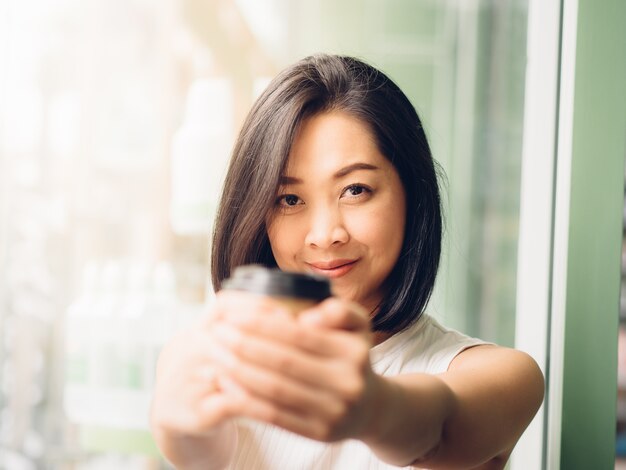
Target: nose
[{"x": 326, "y": 228}]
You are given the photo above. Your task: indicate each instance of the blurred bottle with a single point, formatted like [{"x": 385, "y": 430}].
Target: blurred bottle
[
  {"x": 77, "y": 341},
  {"x": 124, "y": 313},
  {"x": 200, "y": 151}
]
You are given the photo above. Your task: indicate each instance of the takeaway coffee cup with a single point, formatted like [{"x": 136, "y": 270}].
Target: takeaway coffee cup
[{"x": 296, "y": 291}]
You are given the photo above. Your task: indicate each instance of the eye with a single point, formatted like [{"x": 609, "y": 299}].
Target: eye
[
  {"x": 355, "y": 191},
  {"x": 287, "y": 201}
]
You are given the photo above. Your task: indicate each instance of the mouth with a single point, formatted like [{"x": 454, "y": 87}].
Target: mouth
[{"x": 334, "y": 268}]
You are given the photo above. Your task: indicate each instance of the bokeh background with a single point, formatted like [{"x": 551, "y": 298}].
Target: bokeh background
[{"x": 116, "y": 122}]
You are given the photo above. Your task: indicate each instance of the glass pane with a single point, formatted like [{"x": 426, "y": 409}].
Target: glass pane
[
  {"x": 116, "y": 122},
  {"x": 620, "y": 444}
]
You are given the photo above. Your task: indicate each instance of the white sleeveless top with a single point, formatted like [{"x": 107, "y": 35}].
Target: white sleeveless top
[{"x": 425, "y": 347}]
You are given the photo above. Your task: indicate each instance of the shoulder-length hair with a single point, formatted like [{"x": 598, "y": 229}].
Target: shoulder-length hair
[{"x": 313, "y": 85}]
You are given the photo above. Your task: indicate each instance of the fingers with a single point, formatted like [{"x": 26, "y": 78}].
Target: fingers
[
  {"x": 288, "y": 376},
  {"x": 272, "y": 385},
  {"x": 270, "y": 397},
  {"x": 304, "y": 374},
  {"x": 336, "y": 313},
  {"x": 322, "y": 418},
  {"x": 273, "y": 355},
  {"x": 330, "y": 313},
  {"x": 324, "y": 330},
  {"x": 174, "y": 407},
  {"x": 317, "y": 341},
  {"x": 185, "y": 376}
]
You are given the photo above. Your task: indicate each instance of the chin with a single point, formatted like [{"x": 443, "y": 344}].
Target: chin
[{"x": 347, "y": 294}]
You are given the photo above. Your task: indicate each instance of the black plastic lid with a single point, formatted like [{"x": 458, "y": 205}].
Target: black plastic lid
[{"x": 262, "y": 280}]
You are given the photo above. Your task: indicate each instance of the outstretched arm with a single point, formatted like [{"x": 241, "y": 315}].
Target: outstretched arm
[
  {"x": 312, "y": 376},
  {"x": 468, "y": 417}
]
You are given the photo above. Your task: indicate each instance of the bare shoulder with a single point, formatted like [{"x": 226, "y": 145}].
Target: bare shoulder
[
  {"x": 502, "y": 382},
  {"x": 491, "y": 354},
  {"x": 498, "y": 361}
]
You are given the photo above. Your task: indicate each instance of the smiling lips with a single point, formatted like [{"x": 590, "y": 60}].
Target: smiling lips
[{"x": 334, "y": 268}]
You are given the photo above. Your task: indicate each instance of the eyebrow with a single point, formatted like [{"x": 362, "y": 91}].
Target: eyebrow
[{"x": 338, "y": 174}]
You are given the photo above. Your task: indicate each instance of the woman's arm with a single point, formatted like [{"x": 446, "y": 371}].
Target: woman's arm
[
  {"x": 312, "y": 376},
  {"x": 190, "y": 412},
  {"x": 467, "y": 417},
  {"x": 198, "y": 452}
]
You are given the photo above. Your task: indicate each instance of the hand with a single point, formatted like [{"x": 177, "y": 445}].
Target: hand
[
  {"x": 190, "y": 411},
  {"x": 309, "y": 375}
]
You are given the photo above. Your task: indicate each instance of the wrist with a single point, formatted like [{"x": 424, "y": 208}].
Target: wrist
[
  {"x": 212, "y": 451},
  {"x": 383, "y": 394},
  {"x": 408, "y": 414}
]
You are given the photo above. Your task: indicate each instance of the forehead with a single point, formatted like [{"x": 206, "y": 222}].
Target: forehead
[{"x": 329, "y": 141}]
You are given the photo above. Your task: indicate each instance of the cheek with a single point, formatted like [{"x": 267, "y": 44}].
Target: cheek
[
  {"x": 284, "y": 240},
  {"x": 388, "y": 235},
  {"x": 381, "y": 228}
]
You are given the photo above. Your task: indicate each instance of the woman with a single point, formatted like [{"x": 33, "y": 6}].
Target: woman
[{"x": 332, "y": 175}]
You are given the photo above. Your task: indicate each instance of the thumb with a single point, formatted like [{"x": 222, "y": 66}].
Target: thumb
[{"x": 337, "y": 313}]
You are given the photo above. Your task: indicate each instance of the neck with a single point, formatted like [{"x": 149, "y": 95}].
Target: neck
[{"x": 380, "y": 336}]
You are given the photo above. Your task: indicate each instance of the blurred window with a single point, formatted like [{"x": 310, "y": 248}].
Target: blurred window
[{"x": 116, "y": 123}]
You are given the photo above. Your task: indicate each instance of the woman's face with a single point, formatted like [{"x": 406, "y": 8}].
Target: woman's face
[{"x": 340, "y": 208}]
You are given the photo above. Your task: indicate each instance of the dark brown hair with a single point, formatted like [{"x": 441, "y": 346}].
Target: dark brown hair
[{"x": 313, "y": 85}]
